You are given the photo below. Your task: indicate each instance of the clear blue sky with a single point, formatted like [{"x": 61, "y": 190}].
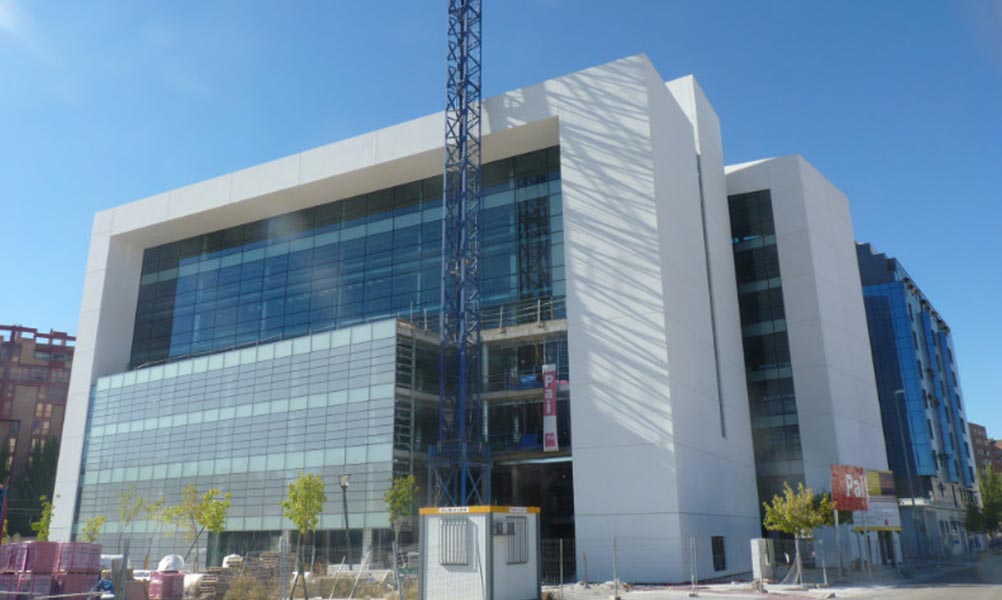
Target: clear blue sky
[{"x": 899, "y": 104}]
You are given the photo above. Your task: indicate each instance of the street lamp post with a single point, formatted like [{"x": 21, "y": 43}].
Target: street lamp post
[
  {"x": 343, "y": 480},
  {"x": 899, "y": 398}
]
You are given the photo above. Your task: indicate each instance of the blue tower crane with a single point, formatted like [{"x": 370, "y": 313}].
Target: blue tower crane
[{"x": 460, "y": 462}]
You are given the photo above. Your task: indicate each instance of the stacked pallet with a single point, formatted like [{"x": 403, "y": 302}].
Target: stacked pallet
[
  {"x": 28, "y": 568},
  {"x": 78, "y": 567}
]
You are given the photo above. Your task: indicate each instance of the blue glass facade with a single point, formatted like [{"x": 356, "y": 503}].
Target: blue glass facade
[
  {"x": 920, "y": 398},
  {"x": 354, "y": 260}
]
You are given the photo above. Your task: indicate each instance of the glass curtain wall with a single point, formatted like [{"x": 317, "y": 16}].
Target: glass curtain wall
[
  {"x": 354, "y": 260},
  {"x": 775, "y": 428}
]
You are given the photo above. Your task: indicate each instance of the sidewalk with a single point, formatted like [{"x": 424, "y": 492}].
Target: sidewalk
[
  {"x": 884, "y": 577},
  {"x": 851, "y": 585}
]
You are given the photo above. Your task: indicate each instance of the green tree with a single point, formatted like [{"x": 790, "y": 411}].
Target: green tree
[
  {"x": 798, "y": 514},
  {"x": 200, "y": 512},
  {"x": 38, "y": 480},
  {"x": 844, "y": 516},
  {"x": 400, "y": 502},
  {"x": 974, "y": 517},
  {"x": 41, "y": 526},
  {"x": 991, "y": 500},
  {"x": 91, "y": 529},
  {"x": 303, "y": 507},
  {"x": 130, "y": 505},
  {"x": 40, "y": 476},
  {"x": 163, "y": 519}
]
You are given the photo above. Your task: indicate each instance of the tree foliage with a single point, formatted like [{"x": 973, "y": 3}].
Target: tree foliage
[
  {"x": 200, "y": 512},
  {"x": 303, "y": 507},
  {"x": 130, "y": 505},
  {"x": 974, "y": 517},
  {"x": 39, "y": 479},
  {"x": 41, "y": 526},
  {"x": 40, "y": 476},
  {"x": 991, "y": 500},
  {"x": 400, "y": 501},
  {"x": 164, "y": 521},
  {"x": 305, "y": 502},
  {"x": 844, "y": 516},
  {"x": 798, "y": 513},
  {"x": 91, "y": 529}
]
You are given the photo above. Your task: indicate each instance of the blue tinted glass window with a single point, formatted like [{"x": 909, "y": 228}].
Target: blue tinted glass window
[{"x": 349, "y": 261}]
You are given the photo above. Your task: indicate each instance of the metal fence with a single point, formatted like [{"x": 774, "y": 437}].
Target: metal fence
[{"x": 557, "y": 561}]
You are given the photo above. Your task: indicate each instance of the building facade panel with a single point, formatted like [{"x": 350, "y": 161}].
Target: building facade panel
[
  {"x": 929, "y": 446},
  {"x": 807, "y": 253},
  {"x": 246, "y": 422},
  {"x": 980, "y": 446},
  {"x": 34, "y": 378}
]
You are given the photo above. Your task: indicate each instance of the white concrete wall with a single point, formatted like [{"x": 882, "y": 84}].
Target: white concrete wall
[
  {"x": 703, "y": 450},
  {"x": 622, "y": 395},
  {"x": 833, "y": 376}
]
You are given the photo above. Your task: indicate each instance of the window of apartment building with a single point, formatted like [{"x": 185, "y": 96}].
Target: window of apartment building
[
  {"x": 751, "y": 216},
  {"x": 757, "y": 264},
  {"x": 719, "y": 557},
  {"x": 770, "y": 351}
]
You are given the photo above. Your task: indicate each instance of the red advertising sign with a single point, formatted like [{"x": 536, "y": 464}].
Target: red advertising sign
[
  {"x": 849, "y": 491},
  {"x": 550, "y": 408}
]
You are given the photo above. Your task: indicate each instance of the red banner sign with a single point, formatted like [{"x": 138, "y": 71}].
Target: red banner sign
[
  {"x": 849, "y": 490},
  {"x": 550, "y": 408}
]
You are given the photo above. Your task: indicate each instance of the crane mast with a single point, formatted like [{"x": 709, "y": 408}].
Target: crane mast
[{"x": 460, "y": 462}]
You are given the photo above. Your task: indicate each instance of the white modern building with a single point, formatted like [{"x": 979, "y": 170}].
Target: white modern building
[
  {"x": 274, "y": 320},
  {"x": 811, "y": 384}
]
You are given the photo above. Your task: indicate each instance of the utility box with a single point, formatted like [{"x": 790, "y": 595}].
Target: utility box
[
  {"x": 480, "y": 553},
  {"x": 763, "y": 565}
]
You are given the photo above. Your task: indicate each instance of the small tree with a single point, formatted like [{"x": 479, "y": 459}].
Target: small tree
[
  {"x": 798, "y": 514},
  {"x": 974, "y": 517},
  {"x": 91, "y": 530},
  {"x": 130, "y": 504},
  {"x": 303, "y": 507},
  {"x": 41, "y": 526},
  {"x": 198, "y": 513},
  {"x": 991, "y": 500},
  {"x": 164, "y": 521},
  {"x": 400, "y": 502}
]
